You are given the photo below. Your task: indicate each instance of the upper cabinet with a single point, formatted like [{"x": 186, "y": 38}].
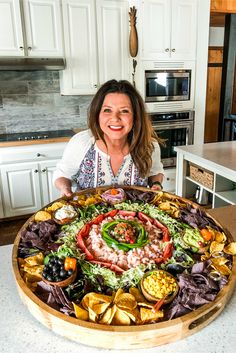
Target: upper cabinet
[
  {"x": 169, "y": 29},
  {"x": 31, "y": 28},
  {"x": 96, "y": 44}
]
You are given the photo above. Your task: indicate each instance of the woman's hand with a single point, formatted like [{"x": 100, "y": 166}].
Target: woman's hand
[
  {"x": 155, "y": 182},
  {"x": 156, "y": 187},
  {"x": 64, "y": 185}
]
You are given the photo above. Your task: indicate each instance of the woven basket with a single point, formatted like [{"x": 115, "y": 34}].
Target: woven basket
[{"x": 202, "y": 176}]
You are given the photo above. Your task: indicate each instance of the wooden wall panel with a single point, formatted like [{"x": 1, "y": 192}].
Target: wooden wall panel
[
  {"x": 215, "y": 59},
  {"x": 224, "y": 6}
]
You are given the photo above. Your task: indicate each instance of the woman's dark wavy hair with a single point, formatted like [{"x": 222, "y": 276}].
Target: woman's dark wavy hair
[{"x": 141, "y": 136}]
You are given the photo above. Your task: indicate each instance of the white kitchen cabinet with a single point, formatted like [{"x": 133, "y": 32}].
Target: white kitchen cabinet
[
  {"x": 215, "y": 167},
  {"x": 169, "y": 180},
  {"x": 96, "y": 36},
  {"x": 31, "y": 28},
  {"x": 169, "y": 29},
  {"x": 26, "y": 177}
]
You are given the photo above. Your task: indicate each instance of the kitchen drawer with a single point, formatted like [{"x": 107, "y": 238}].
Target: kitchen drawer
[{"x": 36, "y": 152}]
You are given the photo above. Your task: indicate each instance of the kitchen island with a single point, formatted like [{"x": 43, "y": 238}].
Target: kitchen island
[
  {"x": 21, "y": 332},
  {"x": 210, "y": 166}
]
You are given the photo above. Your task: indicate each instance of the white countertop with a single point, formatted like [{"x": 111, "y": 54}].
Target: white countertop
[
  {"x": 20, "y": 332},
  {"x": 221, "y": 154}
]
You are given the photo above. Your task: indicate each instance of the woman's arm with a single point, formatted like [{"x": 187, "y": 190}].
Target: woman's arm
[{"x": 64, "y": 185}]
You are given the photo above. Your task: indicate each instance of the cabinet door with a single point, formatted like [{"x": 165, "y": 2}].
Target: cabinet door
[
  {"x": 11, "y": 36},
  {"x": 184, "y": 29},
  {"x": 81, "y": 73},
  {"x": 49, "y": 192},
  {"x": 113, "y": 39},
  {"x": 43, "y": 26},
  {"x": 156, "y": 29},
  {"x": 21, "y": 189}
]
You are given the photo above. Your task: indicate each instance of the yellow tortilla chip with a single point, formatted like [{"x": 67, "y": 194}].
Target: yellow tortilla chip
[
  {"x": 126, "y": 301},
  {"x": 42, "y": 216},
  {"x": 230, "y": 248},
  {"x": 35, "y": 260},
  {"x": 92, "y": 315},
  {"x": 148, "y": 315},
  {"x": 137, "y": 294},
  {"x": 220, "y": 237},
  {"x": 216, "y": 247},
  {"x": 121, "y": 318},
  {"x": 117, "y": 294},
  {"x": 55, "y": 206},
  {"x": 100, "y": 308},
  {"x": 80, "y": 313},
  {"x": 108, "y": 315}
]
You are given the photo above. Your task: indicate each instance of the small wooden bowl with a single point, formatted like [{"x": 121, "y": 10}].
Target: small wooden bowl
[
  {"x": 63, "y": 283},
  {"x": 64, "y": 220},
  {"x": 150, "y": 297}
]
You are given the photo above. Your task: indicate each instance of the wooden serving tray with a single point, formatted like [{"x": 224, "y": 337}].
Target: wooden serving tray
[{"x": 122, "y": 337}]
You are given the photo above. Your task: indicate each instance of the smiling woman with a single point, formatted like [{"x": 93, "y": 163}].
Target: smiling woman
[{"x": 120, "y": 147}]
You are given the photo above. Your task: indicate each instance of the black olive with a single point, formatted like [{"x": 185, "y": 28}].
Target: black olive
[{"x": 63, "y": 273}]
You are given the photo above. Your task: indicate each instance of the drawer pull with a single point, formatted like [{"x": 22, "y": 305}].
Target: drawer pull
[
  {"x": 36, "y": 171},
  {"x": 44, "y": 170},
  {"x": 38, "y": 154}
]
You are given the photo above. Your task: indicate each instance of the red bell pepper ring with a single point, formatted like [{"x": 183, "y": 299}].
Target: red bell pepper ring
[
  {"x": 111, "y": 213},
  {"x": 97, "y": 220},
  {"x": 164, "y": 229},
  {"x": 112, "y": 267},
  {"x": 168, "y": 251},
  {"x": 158, "y": 305},
  {"x": 127, "y": 213},
  {"x": 84, "y": 232},
  {"x": 143, "y": 217},
  {"x": 82, "y": 246},
  {"x": 116, "y": 268}
]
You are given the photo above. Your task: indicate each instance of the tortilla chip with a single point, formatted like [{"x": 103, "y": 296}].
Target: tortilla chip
[
  {"x": 117, "y": 294},
  {"x": 100, "y": 308},
  {"x": 126, "y": 301},
  {"x": 222, "y": 269},
  {"x": 121, "y": 318},
  {"x": 55, "y": 206},
  {"x": 108, "y": 315},
  {"x": 80, "y": 313},
  {"x": 148, "y": 315},
  {"x": 137, "y": 294},
  {"x": 35, "y": 260},
  {"x": 230, "y": 248},
  {"x": 42, "y": 216},
  {"x": 92, "y": 315},
  {"x": 216, "y": 247},
  {"x": 220, "y": 237}
]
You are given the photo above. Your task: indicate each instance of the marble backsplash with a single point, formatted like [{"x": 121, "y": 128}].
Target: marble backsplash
[{"x": 31, "y": 101}]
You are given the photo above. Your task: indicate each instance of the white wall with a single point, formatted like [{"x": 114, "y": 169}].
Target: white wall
[{"x": 216, "y": 36}]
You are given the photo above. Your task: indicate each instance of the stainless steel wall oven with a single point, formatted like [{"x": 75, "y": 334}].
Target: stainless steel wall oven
[{"x": 177, "y": 129}]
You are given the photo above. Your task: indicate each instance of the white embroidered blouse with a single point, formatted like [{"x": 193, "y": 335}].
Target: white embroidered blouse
[{"x": 86, "y": 165}]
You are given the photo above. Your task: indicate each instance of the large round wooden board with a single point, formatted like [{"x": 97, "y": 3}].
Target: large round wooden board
[{"x": 122, "y": 337}]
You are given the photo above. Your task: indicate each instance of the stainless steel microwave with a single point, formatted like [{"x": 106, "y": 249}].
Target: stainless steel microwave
[{"x": 167, "y": 85}]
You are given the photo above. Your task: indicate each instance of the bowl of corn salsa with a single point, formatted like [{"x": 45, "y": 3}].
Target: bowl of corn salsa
[{"x": 159, "y": 284}]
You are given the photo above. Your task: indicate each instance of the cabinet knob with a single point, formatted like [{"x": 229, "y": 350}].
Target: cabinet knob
[
  {"x": 36, "y": 171},
  {"x": 38, "y": 154},
  {"x": 29, "y": 48},
  {"x": 44, "y": 170},
  {"x": 21, "y": 48},
  {"x": 95, "y": 86},
  {"x": 167, "y": 49},
  {"x": 173, "y": 50}
]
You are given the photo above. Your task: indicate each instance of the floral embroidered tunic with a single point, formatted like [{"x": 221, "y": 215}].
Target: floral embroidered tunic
[{"x": 88, "y": 167}]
